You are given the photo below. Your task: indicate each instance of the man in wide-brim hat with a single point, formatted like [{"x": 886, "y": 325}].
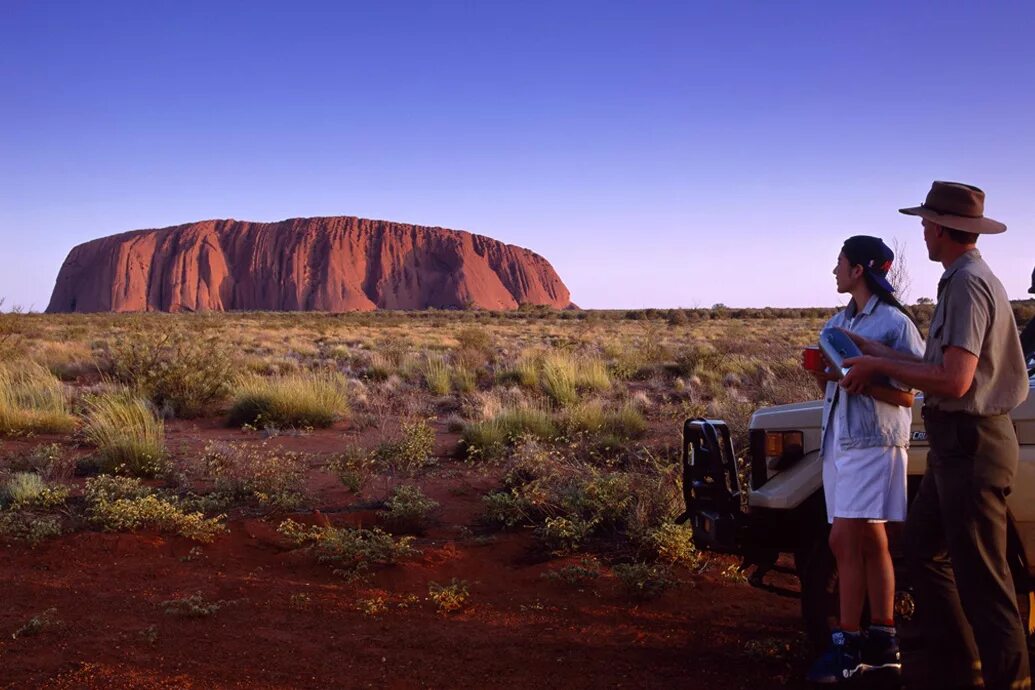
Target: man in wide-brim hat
[{"x": 972, "y": 375}]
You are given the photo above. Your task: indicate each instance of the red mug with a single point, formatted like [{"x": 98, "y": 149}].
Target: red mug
[{"x": 812, "y": 359}]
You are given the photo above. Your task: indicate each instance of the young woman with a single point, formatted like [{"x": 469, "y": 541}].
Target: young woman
[{"x": 864, "y": 467}]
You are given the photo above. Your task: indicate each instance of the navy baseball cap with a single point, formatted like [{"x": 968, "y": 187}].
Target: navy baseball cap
[{"x": 873, "y": 255}]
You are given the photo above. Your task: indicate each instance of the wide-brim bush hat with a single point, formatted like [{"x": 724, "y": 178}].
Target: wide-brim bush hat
[{"x": 958, "y": 206}]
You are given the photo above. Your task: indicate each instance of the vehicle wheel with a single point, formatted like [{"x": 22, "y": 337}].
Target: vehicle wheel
[{"x": 817, "y": 573}]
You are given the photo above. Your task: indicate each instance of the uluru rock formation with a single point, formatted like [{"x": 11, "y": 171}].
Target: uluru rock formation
[{"x": 326, "y": 264}]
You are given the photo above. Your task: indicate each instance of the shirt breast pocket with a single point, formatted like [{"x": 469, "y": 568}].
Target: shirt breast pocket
[{"x": 937, "y": 325}]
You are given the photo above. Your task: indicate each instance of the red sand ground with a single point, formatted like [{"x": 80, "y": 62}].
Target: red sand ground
[{"x": 294, "y": 624}]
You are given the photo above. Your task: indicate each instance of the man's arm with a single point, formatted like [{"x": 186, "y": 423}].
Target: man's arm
[
  {"x": 950, "y": 379},
  {"x": 877, "y": 349}
]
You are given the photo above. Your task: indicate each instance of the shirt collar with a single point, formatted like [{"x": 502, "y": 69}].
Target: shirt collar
[
  {"x": 961, "y": 261},
  {"x": 867, "y": 309}
]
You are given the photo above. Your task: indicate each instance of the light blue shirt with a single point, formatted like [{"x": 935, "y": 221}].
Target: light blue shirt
[{"x": 865, "y": 422}]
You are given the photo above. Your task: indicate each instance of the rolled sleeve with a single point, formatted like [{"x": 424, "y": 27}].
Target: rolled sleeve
[{"x": 907, "y": 340}]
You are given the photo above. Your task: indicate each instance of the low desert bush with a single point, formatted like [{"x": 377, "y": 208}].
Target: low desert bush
[
  {"x": 194, "y": 606},
  {"x": 354, "y": 467},
  {"x": 449, "y": 598},
  {"x": 643, "y": 580},
  {"x": 181, "y": 372},
  {"x": 351, "y": 551},
  {"x": 672, "y": 543},
  {"x": 269, "y": 475},
  {"x": 299, "y": 400},
  {"x": 48, "y": 460},
  {"x": 29, "y": 490},
  {"x": 411, "y": 451},
  {"x": 32, "y": 400},
  {"x": 576, "y": 574},
  {"x": 28, "y": 526},
  {"x": 408, "y": 509},
  {"x": 129, "y": 437},
  {"x": 122, "y": 504}
]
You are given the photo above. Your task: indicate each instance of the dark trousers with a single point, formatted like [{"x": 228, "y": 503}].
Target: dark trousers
[{"x": 955, "y": 538}]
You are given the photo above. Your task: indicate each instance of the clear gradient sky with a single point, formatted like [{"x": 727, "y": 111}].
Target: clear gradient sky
[{"x": 659, "y": 154}]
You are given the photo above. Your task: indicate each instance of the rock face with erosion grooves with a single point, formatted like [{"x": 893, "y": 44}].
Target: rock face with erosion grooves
[{"x": 325, "y": 264}]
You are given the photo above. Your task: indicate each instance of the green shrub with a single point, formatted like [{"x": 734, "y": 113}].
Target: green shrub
[
  {"x": 576, "y": 574},
  {"x": 298, "y": 400},
  {"x": 408, "y": 509},
  {"x": 27, "y": 526},
  {"x": 354, "y": 467},
  {"x": 449, "y": 598},
  {"x": 32, "y": 400},
  {"x": 565, "y": 533},
  {"x": 412, "y": 451},
  {"x": 474, "y": 338},
  {"x": 643, "y": 580},
  {"x": 269, "y": 475},
  {"x": 505, "y": 509},
  {"x": 672, "y": 543},
  {"x": 352, "y": 551},
  {"x": 127, "y": 505},
  {"x": 179, "y": 371},
  {"x": 129, "y": 438}
]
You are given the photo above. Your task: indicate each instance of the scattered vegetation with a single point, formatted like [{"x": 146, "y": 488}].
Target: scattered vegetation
[
  {"x": 266, "y": 474},
  {"x": 352, "y": 552},
  {"x": 194, "y": 606},
  {"x": 37, "y": 624},
  {"x": 122, "y": 504}
]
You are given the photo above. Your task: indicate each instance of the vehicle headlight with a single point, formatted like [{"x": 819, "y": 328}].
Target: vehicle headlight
[{"x": 783, "y": 449}]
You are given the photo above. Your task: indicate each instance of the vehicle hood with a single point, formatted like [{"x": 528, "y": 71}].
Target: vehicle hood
[{"x": 803, "y": 415}]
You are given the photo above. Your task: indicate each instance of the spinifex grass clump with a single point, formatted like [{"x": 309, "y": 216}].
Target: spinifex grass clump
[
  {"x": 298, "y": 400},
  {"x": 351, "y": 551},
  {"x": 130, "y": 438},
  {"x": 32, "y": 400},
  {"x": 490, "y": 437}
]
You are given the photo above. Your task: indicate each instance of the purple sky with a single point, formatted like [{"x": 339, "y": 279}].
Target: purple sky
[{"x": 658, "y": 154}]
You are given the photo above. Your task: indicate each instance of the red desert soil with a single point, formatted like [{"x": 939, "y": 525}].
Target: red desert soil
[{"x": 292, "y": 623}]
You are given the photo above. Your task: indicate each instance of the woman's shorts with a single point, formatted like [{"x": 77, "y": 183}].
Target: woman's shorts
[{"x": 863, "y": 483}]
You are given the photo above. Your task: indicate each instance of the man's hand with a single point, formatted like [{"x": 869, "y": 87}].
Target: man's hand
[
  {"x": 867, "y": 345},
  {"x": 861, "y": 371}
]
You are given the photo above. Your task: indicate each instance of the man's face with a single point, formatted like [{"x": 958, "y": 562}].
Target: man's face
[
  {"x": 846, "y": 275},
  {"x": 932, "y": 238}
]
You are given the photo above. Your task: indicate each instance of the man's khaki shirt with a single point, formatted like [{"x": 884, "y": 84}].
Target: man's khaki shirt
[{"x": 974, "y": 313}]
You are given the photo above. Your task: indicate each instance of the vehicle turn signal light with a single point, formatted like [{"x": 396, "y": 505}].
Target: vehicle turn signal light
[{"x": 783, "y": 449}]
